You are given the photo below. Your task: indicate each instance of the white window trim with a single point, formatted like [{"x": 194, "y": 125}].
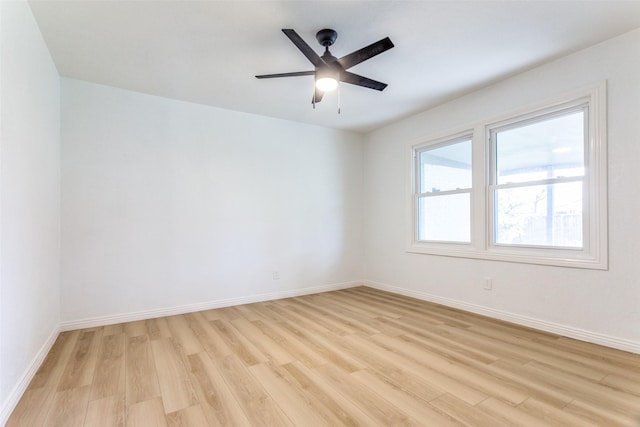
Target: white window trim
[{"x": 595, "y": 253}]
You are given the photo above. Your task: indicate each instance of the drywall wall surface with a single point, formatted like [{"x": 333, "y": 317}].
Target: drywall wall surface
[
  {"x": 29, "y": 198},
  {"x": 168, "y": 203},
  {"x": 603, "y": 303}
]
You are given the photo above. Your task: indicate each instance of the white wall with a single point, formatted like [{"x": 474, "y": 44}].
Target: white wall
[
  {"x": 29, "y": 197},
  {"x": 600, "y": 303},
  {"x": 167, "y": 203}
]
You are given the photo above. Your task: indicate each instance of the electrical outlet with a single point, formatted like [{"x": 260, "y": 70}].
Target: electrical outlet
[
  {"x": 276, "y": 275},
  {"x": 488, "y": 284}
]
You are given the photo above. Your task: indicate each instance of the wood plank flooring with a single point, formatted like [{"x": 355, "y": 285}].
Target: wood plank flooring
[{"x": 355, "y": 357}]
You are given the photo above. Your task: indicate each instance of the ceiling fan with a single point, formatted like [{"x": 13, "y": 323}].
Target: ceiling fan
[{"x": 330, "y": 70}]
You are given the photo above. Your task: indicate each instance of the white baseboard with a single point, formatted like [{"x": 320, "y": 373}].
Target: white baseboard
[
  {"x": 190, "y": 308},
  {"x": 18, "y": 390},
  {"x": 543, "y": 325}
]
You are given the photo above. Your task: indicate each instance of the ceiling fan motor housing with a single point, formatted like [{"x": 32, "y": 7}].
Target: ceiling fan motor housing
[{"x": 326, "y": 37}]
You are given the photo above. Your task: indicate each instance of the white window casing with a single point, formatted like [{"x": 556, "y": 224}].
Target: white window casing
[{"x": 590, "y": 252}]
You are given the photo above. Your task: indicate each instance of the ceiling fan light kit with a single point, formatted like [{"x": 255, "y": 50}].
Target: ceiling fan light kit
[
  {"x": 326, "y": 84},
  {"x": 327, "y": 79},
  {"x": 329, "y": 70}
]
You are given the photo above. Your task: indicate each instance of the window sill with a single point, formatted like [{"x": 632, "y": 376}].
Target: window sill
[{"x": 560, "y": 258}]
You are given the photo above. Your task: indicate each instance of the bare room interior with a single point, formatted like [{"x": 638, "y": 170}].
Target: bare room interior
[{"x": 194, "y": 231}]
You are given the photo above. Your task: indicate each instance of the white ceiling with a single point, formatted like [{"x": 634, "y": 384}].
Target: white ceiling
[{"x": 209, "y": 51}]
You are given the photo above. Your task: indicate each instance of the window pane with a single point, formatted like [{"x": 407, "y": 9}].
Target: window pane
[
  {"x": 445, "y": 168},
  {"x": 444, "y": 218},
  {"x": 540, "y": 215},
  {"x": 541, "y": 150}
]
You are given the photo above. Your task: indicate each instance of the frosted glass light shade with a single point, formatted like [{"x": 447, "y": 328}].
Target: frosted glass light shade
[{"x": 326, "y": 84}]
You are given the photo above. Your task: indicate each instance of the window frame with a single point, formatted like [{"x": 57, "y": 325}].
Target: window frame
[
  {"x": 593, "y": 255},
  {"x": 492, "y": 184},
  {"x": 433, "y": 145}
]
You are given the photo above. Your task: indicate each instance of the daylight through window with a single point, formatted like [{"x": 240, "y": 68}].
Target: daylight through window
[
  {"x": 538, "y": 173},
  {"x": 444, "y": 196}
]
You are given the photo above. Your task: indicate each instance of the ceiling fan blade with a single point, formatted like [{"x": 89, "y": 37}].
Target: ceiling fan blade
[
  {"x": 295, "y": 74},
  {"x": 304, "y": 47},
  {"x": 317, "y": 96},
  {"x": 365, "y": 53},
  {"x": 358, "y": 80}
]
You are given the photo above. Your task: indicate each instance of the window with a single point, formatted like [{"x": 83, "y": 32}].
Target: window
[
  {"x": 525, "y": 188},
  {"x": 537, "y": 180},
  {"x": 444, "y": 191}
]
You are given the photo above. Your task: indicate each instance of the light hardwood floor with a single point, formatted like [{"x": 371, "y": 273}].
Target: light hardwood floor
[{"x": 353, "y": 357}]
